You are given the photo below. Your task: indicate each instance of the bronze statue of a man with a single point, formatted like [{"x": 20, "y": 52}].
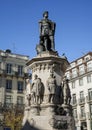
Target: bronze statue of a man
[{"x": 47, "y": 31}]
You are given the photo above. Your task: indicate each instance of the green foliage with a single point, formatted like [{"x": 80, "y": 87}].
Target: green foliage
[{"x": 13, "y": 119}]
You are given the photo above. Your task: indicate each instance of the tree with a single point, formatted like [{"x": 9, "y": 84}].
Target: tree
[{"x": 13, "y": 118}]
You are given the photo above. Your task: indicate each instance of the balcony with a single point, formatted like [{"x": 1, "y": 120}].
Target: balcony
[
  {"x": 74, "y": 103},
  {"x": 5, "y": 73},
  {"x": 1, "y": 71},
  {"x": 89, "y": 115},
  {"x": 20, "y": 91},
  {"x": 89, "y": 69},
  {"x": 9, "y": 90},
  {"x": 11, "y": 106},
  {"x": 82, "y": 116},
  {"x": 8, "y": 106},
  {"x": 81, "y": 100},
  {"x": 88, "y": 99},
  {"x": 19, "y": 107},
  {"x": 17, "y": 74},
  {"x": 76, "y": 120},
  {"x": 74, "y": 75},
  {"x": 81, "y": 72}
]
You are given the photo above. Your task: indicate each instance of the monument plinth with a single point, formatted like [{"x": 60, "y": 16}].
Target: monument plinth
[{"x": 48, "y": 97}]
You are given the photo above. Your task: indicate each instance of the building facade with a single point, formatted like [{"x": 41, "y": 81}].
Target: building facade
[
  {"x": 12, "y": 79},
  {"x": 79, "y": 74}
]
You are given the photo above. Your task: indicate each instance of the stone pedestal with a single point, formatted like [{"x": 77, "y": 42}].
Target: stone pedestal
[
  {"x": 46, "y": 62},
  {"x": 51, "y": 122},
  {"x": 46, "y": 115}
]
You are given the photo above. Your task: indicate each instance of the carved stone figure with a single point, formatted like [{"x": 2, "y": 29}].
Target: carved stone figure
[
  {"x": 40, "y": 48},
  {"x": 33, "y": 93},
  {"x": 37, "y": 90},
  {"x": 47, "y": 31},
  {"x": 51, "y": 84},
  {"x": 66, "y": 92},
  {"x": 28, "y": 92},
  {"x": 59, "y": 95}
]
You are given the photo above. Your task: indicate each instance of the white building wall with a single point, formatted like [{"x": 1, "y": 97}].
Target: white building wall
[
  {"x": 15, "y": 60},
  {"x": 83, "y": 64}
]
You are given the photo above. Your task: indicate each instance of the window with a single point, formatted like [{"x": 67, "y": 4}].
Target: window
[
  {"x": 8, "y": 101},
  {"x": 81, "y": 96},
  {"x": 82, "y": 111},
  {"x": 74, "y": 99},
  {"x": 8, "y": 68},
  {"x": 73, "y": 84},
  {"x": 20, "y": 86},
  {"x": 87, "y": 57},
  {"x": 68, "y": 75},
  {"x": 74, "y": 73},
  {"x": 75, "y": 113},
  {"x": 80, "y": 81},
  {"x": 90, "y": 94},
  {"x": 19, "y": 100},
  {"x": 20, "y": 70},
  {"x": 90, "y": 110},
  {"x": 73, "y": 64},
  {"x": 8, "y": 84},
  {"x": 89, "y": 66},
  {"x": 81, "y": 69},
  {"x": 88, "y": 78},
  {"x": 79, "y": 61},
  {"x": 0, "y": 68}
]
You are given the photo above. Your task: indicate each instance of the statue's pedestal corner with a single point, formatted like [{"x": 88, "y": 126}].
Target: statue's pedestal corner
[
  {"x": 27, "y": 108},
  {"x": 35, "y": 110},
  {"x": 48, "y": 53},
  {"x": 67, "y": 109}
]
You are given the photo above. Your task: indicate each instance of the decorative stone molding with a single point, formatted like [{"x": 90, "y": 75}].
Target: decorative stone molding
[{"x": 58, "y": 124}]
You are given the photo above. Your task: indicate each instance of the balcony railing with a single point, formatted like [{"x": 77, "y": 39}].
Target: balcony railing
[
  {"x": 81, "y": 72},
  {"x": 89, "y": 115},
  {"x": 9, "y": 90},
  {"x": 89, "y": 69},
  {"x": 73, "y": 103},
  {"x": 20, "y": 91},
  {"x": 81, "y": 100},
  {"x": 74, "y": 75},
  {"x": 88, "y": 99},
  {"x": 14, "y": 73},
  {"x": 20, "y": 107},
  {"x": 8, "y": 106},
  {"x": 11, "y": 106},
  {"x": 82, "y": 116}
]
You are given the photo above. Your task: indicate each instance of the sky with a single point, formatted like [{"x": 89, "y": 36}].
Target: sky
[{"x": 19, "y": 26}]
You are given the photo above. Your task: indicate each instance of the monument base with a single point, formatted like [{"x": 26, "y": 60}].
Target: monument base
[{"x": 51, "y": 122}]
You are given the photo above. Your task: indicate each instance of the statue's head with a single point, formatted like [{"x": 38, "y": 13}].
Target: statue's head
[
  {"x": 35, "y": 76},
  {"x": 27, "y": 80},
  {"x": 45, "y": 14}
]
